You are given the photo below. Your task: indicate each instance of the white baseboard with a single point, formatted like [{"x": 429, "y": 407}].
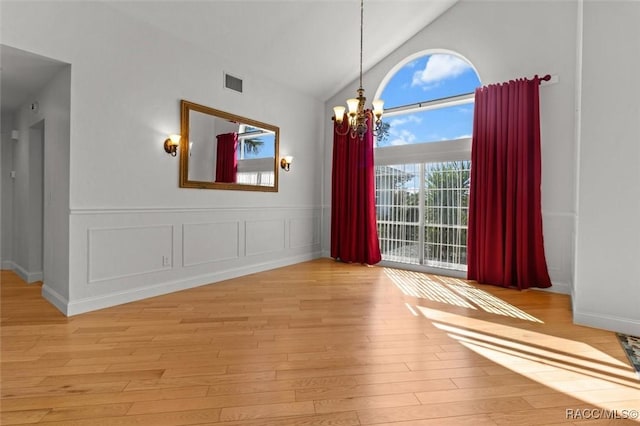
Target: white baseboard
[
  {"x": 617, "y": 324},
  {"x": 8, "y": 265},
  {"x": 29, "y": 277},
  {"x": 560, "y": 288},
  {"x": 20, "y": 271},
  {"x": 89, "y": 304},
  {"x": 35, "y": 276},
  {"x": 55, "y": 299}
]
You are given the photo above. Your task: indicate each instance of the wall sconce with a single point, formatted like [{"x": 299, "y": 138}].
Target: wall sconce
[
  {"x": 15, "y": 135},
  {"x": 171, "y": 144},
  {"x": 285, "y": 163}
]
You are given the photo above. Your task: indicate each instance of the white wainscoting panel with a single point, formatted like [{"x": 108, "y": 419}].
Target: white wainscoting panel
[
  {"x": 119, "y": 256},
  {"x": 210, "y": 242},
  {"x": 558, "y": 245},
  {"x": 264, "y": 236},
  {"x": 128, "y": 251},
  {"x": 304, "y": 232}
]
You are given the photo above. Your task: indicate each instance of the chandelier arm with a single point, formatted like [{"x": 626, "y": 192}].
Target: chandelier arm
[{"x": 340, "y": 126}]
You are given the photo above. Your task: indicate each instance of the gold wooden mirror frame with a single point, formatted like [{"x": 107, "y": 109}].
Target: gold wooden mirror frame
[{"x": 257, "y": 127}]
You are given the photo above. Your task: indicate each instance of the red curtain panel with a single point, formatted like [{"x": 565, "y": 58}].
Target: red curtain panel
[
  {"x": 227, "y": 158},
  {"x": 354, "y": 233},
  {"x": 505, "y": 245}
]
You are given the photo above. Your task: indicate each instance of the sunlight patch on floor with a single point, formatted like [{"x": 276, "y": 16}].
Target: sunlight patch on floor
[
  {"x": 410, "y": 308},
  {"x": 573, "y": 368},
  {"x": 419, "y": 285},
  {"x": 453, "y": 291}
]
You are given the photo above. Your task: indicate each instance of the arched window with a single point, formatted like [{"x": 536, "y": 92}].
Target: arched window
[
  {"x": 429, "y": 99},
  {"x": 423, "y": 162}
]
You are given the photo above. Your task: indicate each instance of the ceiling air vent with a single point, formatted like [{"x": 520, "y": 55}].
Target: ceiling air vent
[{"x": 233, "y": 83}]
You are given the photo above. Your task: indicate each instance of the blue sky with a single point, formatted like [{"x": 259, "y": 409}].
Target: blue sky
[
  {"x": 266, "y": 151},
  {"x": 428, "y": 78}
]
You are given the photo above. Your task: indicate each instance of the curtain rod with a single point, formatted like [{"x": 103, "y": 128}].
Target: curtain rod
[
  {"x": 545, "y": 78},
  {"x": 548, "y": 79}
]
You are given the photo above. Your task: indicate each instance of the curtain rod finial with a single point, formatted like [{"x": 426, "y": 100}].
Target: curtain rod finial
[{"x": 549, "y": 79}]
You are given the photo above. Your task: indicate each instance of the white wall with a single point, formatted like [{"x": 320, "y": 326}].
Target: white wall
[
  {"x": 507, "y": 40},
  {"x": 23, "y": 212},
  {"x": 35, "y": 211},
  {"x": 607, "y": 290},
  {"x": 132, "y": 232},
  {"x": 6, "y": 191},
  {"x": 41, "y": 162}
]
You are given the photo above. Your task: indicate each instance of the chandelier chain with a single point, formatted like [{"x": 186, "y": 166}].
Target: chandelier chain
[
  {"x": 361, "y": 37},
  {"x": 358, "y": 114}
]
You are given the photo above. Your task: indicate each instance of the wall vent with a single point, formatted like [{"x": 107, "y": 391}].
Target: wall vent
[{"x": 233, "y": 83}]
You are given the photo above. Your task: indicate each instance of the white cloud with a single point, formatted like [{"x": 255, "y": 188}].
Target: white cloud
[
  {"x": 400, "y": 136},
  {"x": 438, "y": 68},
  {"x": 403, "y": 137},
  {"x": 396, "y": 142},
  {"x": 411, "y": 64},
  {"x": 404, "y": 120}
]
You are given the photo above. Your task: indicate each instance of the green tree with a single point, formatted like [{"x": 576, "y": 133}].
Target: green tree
[
  {"x": 382, "y": 135},
  {"x": 446, "y": 211},
  {"x": 397, "y": 207},
  {"x": 252, "y": 146}
]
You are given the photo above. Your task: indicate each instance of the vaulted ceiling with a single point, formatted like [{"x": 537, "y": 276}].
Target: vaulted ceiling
[{"x": 310, "y": 45}]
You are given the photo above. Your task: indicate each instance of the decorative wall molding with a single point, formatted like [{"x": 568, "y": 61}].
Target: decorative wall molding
[
  {"x": 210, "y": 242},
  {"x": 264, "y": 236},
  {"x": 122, "y": 252},
  {"x": 89, "y": 304},
  {"x": 558, "y": 239},
  {"x": 304, "y": 231},
  {"x": 144, "y": 210},
  {"x": 121, "y": 256}
]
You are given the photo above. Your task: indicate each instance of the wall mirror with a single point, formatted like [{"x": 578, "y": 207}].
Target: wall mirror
[{"x": 219, "y": 150}]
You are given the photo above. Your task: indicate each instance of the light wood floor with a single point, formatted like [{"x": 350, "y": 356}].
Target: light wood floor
[{"x": 318, "y": 343}]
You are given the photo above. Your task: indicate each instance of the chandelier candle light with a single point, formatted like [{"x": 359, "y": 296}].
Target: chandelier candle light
[{"x": 357, "y": 120}]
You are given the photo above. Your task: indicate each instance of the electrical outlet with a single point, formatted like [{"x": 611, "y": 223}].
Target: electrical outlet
[{"x": 166, "y": 261}]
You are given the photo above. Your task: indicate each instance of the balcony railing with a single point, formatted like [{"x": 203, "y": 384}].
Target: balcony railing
[{"x": 422, "y": 212}]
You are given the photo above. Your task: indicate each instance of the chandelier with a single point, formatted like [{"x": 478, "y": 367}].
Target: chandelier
[{"x": 357, "y": 115}]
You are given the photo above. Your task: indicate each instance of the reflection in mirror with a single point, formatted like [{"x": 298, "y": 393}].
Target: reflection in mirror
[{"x": 225, "y": 151}]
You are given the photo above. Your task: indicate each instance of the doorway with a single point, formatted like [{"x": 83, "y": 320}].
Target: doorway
[
  {"x": 36, "y": 203},
  {"x": 35, "y": 232}
]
